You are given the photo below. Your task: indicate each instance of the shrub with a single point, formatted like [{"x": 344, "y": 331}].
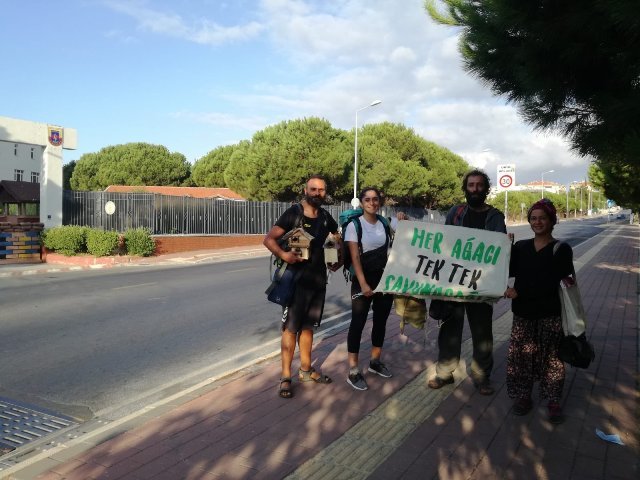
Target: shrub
[
  {"x": 139, "y": 242},
  {"x": 68, "y": 239},
  {"x": 101, "y": 243}
]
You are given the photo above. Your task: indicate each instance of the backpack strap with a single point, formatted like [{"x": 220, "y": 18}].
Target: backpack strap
[
  {"x": 573, "y": 269},
  {"x": 458, "y": 214},
  {"x": 300, "y": 217},
  {"x": 387, "y": 230}
]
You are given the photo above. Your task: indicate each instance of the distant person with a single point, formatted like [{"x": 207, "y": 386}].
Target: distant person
[
  {"x": 475, "y": 213},
  {"x": 537, "y": 326},
  {"x": 368, "y": 257},
  {"x": 304, "y": 313}
]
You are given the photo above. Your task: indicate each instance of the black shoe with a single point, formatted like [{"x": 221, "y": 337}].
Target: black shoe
[
  {"x": 484, "y": 388},
  {"x": 357, "y": 381},
  {"x": 555, "y": 413},
  {"x": 522, "y": 406},
  {"x": 439, "y": 382},
  {"x": 376, "y": 366}
]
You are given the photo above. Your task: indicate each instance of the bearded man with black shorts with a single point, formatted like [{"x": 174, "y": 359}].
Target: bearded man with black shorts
[{"x": 304, "y": 313}]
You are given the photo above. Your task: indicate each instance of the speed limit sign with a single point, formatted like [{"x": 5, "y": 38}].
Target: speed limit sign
[
  {"x": 506, "y": 176},
  {"x": 505, "y": 181}
]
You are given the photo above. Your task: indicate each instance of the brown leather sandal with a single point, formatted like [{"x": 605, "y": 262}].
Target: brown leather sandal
[
  {"x": 439, "y": 382},
  {"x": 285, "y": 387},
  {"x": 307, "y": 376}
]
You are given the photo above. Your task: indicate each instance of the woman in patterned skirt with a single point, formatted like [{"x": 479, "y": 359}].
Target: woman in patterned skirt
[{"x": 538, "y": 266}]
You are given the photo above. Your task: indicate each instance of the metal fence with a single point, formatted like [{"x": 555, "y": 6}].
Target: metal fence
[{"x": 166, "y": 215}]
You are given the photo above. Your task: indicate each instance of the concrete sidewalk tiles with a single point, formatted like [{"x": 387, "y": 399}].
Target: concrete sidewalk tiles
[{"x": 399, "y": 428}]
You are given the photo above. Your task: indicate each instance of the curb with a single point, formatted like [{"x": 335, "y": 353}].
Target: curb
[{"x": 63, "y": 264}]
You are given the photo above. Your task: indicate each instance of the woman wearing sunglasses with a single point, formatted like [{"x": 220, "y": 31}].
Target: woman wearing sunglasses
[{"x": 369, "y": 252}]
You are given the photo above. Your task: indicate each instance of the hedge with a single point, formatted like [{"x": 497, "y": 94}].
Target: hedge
[{"x": 72, "y": 240}]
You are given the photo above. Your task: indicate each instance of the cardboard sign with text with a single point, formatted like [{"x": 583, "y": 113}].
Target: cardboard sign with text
[{"x": 445, "y": 261}]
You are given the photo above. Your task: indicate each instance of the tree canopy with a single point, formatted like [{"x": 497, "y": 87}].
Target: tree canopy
[
  {"x": 67, "y": 171},
  {"x": 410, "y": 169},
  {"x": 208, "y": 171},
  {"x": 275, "y": 163},
  {"x": 573, "y": 66},
  {"x": 278, "y": 160},
  {"x": 130, "y": 164}
]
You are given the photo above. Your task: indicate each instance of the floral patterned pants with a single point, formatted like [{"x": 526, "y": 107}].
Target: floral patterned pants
[{"x": 533, "y": 356}]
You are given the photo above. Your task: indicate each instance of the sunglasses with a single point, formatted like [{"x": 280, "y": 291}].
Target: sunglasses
[{"x": 371, "y": 199}]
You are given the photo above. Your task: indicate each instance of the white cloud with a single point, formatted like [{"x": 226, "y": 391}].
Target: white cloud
[
  {"x": 343, "y": 55},
  {"x": 202, "y": 31},
  {"x": 402, "y": 55}
]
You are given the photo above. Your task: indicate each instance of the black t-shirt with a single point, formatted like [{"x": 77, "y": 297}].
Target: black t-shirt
[
  {"x": 537, "y": 276},
  {"x": 314, "y": 270},
  {"x": 475, "y": 219}
]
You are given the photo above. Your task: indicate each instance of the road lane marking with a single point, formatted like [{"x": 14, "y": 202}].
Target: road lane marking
[{"x": 135, "y": 286}]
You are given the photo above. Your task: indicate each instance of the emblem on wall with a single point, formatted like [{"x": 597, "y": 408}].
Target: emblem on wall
[{"x": 55, "y": 136}]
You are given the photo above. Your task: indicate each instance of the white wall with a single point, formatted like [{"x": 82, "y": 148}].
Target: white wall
[{"x": 17, "y": 156}]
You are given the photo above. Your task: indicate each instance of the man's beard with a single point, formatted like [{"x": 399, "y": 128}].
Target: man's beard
[
  {"x": 314, "y": 201},
  {"x": 475, "y": 200}
]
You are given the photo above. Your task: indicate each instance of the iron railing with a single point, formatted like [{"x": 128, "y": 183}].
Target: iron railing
[{"x": 166, "y": 215}]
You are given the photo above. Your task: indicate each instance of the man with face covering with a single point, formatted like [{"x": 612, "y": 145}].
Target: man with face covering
[
  {"x": 475, "y": 213},
  {"x": 304, "y": 312}
]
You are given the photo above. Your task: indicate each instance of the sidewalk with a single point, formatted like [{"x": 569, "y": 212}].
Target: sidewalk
[{"x": 399, "y": 428}]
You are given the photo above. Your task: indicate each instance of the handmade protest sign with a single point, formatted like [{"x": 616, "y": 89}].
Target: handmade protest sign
[{"x": 445, "y": 261}]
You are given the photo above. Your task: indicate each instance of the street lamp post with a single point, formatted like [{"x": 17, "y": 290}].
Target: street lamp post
[
  {"x": 355, "y": 203},
  {"x": 542, "y": 189}
]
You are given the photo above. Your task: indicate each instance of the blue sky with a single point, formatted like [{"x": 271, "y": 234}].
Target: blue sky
[{"x": 193, "y": 75}]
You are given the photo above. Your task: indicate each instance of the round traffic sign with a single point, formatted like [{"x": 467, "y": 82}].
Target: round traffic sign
[{"x": 505, "y": 181}]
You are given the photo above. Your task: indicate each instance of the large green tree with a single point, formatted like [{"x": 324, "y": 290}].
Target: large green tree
[
  {"x": 618, "y": 181},
  {"x": 281, "y": 157},
  {"x": 208, "y": 171},
  {"x": 410, "y": 169},
  {"x": 130, "y": 164},
  {"x": 571, "y": 65},
  {"x": 67, "y": 172}
]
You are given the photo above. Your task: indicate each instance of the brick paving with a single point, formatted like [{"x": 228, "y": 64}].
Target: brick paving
[{"x": 399, "y": 428}]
